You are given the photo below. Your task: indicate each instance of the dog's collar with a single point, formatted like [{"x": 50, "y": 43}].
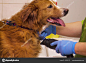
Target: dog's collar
[
  {"x": 14, "y": 24},
  {"x": 10, "y": 23}
]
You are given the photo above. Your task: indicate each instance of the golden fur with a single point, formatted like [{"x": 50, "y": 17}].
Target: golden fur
[{"x": 32, "y": 16}]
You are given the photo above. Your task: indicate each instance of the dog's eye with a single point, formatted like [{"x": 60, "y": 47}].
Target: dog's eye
[{"x": 50, "y": 6}]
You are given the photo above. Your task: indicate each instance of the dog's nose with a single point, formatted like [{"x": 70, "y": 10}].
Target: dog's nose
[{"x": 65, "y": 11}]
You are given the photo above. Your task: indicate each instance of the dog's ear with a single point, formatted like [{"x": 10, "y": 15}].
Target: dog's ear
[{"x": 29, "y": 13}]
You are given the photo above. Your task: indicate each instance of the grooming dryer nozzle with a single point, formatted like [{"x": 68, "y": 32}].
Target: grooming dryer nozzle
[{"x": 47, "y": 43}]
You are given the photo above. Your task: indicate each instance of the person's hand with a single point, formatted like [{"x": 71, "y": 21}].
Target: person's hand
[
  {"x": 43, "y": 35},
  {"x": 47, "y": 31},
  {"x": 65, "y": 47}
]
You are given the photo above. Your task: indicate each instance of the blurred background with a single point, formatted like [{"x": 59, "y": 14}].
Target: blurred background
[{"x": 77, "y": 12}]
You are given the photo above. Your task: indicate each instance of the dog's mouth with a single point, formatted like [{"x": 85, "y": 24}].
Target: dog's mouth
[{"x": 56, "y": 21}]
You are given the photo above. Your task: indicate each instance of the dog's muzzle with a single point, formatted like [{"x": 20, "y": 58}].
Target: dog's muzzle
[{"x": 65, "y": 11}]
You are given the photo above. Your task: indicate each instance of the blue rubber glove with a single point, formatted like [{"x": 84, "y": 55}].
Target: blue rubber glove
[
  {"x": 47, "y": 31},
  {"x": 65, "y": 47},
  {"x": 43, "y": 35}
]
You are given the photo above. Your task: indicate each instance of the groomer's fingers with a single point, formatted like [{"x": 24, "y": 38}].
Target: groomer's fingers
[
  {"x": 54, "y": 43},
  {"x": 57, "y": 48},
  {"x": 43, "y": 34}
]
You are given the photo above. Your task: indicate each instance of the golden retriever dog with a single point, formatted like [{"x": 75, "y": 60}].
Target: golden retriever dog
[{"x": 19, "y": 35}]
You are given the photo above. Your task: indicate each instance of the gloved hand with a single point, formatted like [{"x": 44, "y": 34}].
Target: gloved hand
[
  {"x": 43, "y": 35},
  {"x": 47, "y": 31},
  {"x": 65, "y": 47}
]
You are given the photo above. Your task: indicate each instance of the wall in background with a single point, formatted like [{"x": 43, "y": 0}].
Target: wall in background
[
  {"x": 10, "y": 7},
  {"x": 77, "y": 10}
]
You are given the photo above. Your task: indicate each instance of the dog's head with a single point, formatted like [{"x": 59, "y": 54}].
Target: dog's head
[{"x": 42, "y": 12}]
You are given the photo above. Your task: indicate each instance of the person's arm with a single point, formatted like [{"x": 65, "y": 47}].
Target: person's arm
[
  {"x": 80, "y": 48},
  {"x": 71, "y": 29}
]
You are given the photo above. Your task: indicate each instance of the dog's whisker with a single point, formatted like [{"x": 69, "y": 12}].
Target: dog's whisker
[
  {"x": 26, "y": 42},
  {"x": 70, "y": 4}
]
